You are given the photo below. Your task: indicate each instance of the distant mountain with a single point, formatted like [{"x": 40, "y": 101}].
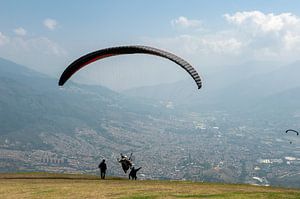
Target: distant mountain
[
  {"x": 32, "y": 103},
  {"x": 235, "y": 88},
  {"x": 259, "y": 87},
  {"x": 174, "y": 131},
  {"x": 281, "y": 107}
]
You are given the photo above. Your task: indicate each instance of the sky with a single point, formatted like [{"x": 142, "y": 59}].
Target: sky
[{"x": 48, "y": 35}]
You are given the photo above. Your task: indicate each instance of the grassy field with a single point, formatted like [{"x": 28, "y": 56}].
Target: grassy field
[{"x": 46, "y": 185}]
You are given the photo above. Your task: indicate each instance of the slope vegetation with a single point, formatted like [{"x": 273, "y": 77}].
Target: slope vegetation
[{"x": 45, "y": 185}]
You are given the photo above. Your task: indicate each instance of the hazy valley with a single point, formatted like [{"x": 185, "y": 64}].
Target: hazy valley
[{"x": 223, "y": 135}]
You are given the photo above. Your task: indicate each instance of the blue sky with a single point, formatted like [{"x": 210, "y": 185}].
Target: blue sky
[{"x": 48, "y": 35}]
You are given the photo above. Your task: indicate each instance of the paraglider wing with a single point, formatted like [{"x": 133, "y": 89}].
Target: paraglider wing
[
  {"x": 292, "y": 131},
  {"x": 121, "y": 50}
]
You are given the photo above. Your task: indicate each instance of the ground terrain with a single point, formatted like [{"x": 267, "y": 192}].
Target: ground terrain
[{"x": 46, "y": 185}]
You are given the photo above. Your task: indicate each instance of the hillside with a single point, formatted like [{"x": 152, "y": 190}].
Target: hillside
[
  {"x": 42, "y": 185},
  {"x": 32, "y": 103},
  {"x": 41, "y": 122},
  {"x": 70, "y": 129},
  {"x": 237, "y": 87}
]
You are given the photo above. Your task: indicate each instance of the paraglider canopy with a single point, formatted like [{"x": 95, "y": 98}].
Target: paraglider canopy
[
  {"x": 292, "y": 131},
  {"x": 121, "y": 50}
]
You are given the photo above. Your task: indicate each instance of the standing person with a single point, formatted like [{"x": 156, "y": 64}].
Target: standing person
[
  {"x": 102, "y": 166},
  {"x": 133, "y": 172}
]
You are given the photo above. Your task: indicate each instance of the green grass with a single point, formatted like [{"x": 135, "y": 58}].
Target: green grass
[
  {"x": 48, "y": 185},
  {"x": 242, "y": 195}
]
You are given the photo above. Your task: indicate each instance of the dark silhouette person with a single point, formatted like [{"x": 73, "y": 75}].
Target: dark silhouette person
[
  {"x": 125, "y": 162},
  {"x": 133, "y": 172},
  {"x": 102, "y": 166}
]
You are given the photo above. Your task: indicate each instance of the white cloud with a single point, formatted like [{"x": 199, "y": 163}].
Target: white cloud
[
  {"x": 267, "y": 35},
  {"x": 20, "y": 31},
  {"x": 39, "y": 53},
  {"x": 51, "y": 24},
  {"x": 183, "y": 22},
  {"x": 291, "y": 41},
  {"x": 258, "y": 21},
  {"x": 212, "y": 44},
  {"x": 251, "y": 35},
  {"x": 37, "y": 45},
  {"x": 46, "y": 46},
  {"x": 3, "y": 39}
]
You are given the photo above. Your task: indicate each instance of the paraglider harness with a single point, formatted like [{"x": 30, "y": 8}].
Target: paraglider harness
[{"x": 125, "y": 162}]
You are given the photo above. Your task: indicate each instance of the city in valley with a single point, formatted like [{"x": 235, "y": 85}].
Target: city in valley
[{"x": 211, "y": 147}]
